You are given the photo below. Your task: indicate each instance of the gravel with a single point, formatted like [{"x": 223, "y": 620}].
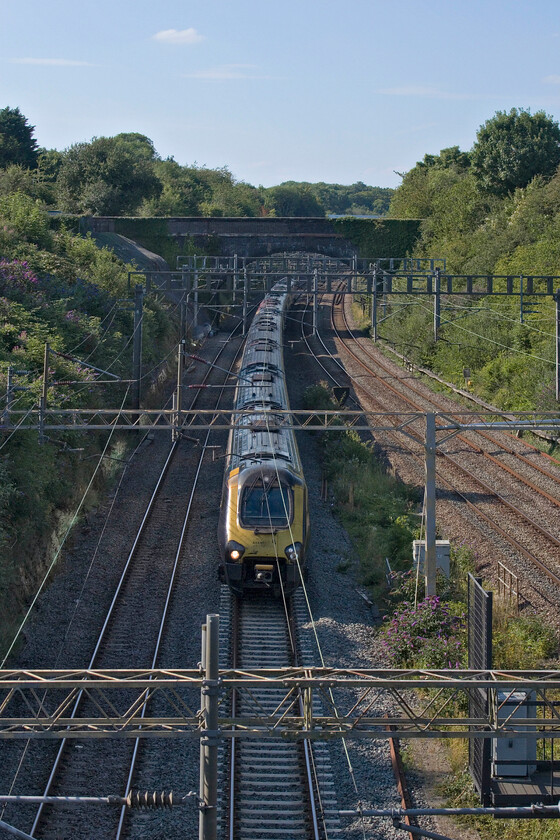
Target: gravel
[{"x": 344, "y": 623}]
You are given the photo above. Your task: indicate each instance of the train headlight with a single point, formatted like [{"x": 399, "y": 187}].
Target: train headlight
[
  {"x": 234, "y": 551},
  {"x": 293, "y": 552}
]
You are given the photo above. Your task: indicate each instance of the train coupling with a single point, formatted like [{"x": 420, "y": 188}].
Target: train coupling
[{"x": 263, "y": 573}]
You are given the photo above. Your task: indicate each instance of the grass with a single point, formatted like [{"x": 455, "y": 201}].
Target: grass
[
  {"x": 377, "y": 510},
  {"x": 378, "y": 513}
]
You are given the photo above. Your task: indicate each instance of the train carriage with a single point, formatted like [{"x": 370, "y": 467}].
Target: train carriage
[{"x": 264, "y": 520}]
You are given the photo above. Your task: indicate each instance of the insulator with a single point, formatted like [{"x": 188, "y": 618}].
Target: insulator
[{"x": 148, "y": 800}]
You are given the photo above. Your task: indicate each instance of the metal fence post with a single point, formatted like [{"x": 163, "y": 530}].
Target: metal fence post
[
  {"x": 183, "y": 305},
  {"x": 178, "y": 395},
  {"x": 195, "y": 303},
  {"x": 209, "y": 740},
  {"x": 235, "y": 279},
  {"x": 374, "y": 306},
  {"x": 386, "y": 276}
]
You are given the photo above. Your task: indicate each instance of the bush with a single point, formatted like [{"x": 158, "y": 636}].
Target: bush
[
  {"x": 25, "y": 218},
  {"x": 430, "y": 635}
]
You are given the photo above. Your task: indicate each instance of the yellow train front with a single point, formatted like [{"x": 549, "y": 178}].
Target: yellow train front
[{"x": 264, "y": 520}]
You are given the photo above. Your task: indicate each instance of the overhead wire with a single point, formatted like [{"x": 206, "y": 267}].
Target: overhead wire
[
  {"x": 311, "y": 617},
  {"x": 76, "y": 606},
  {"x": 62, "y": 543},
  {"x": 492, "y": 341},
  {"x": 79, "y": 599},
  {"x": 491, "y": 311}
]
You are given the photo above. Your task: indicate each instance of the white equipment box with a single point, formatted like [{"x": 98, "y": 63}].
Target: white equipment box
[
  {"x": 514, "y": 707},
  {"x": 443, "y": 550}
]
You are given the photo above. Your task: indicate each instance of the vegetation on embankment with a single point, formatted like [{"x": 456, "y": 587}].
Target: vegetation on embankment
[
  {"x": 419, "y": 632},
  {"x": 59, "y": 288},
  {"x": 380, "y": 514},
  {"x": 377, "y": 510},
  {"x": 487, "y": 219}
]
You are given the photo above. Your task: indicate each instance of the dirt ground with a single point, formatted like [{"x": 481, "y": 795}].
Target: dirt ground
[{"x": 430, "y": 759}]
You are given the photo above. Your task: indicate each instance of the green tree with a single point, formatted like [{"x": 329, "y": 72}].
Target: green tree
[
  {"x": 450, "y": 158},
  {"x": 183, "y": 191},
  {"x": 341, "y": 199},
  {"x": 511, "y": 148},
  {"x": 17, "y": 144},
  {"x": 109, "y": 176},
  {"x": 421, "y": 186},
  {"x": 225, "y": 196},
  {"x": 141, "y": 144},
  {"x": 293, "y": 200},
  {"x": 16, "y": 178}
]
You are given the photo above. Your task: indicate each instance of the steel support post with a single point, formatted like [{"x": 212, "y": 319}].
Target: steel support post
[
  {"x": 195, "y": 303},
  {"x": 9, "y": 396},
  {"x": 384, "y": 300},
  {"x": 137, "y": 343},
  {"x": 374, "y": 307},
  {"x": 44, "y": 394},
  {"x": 315, "y": 299},
  {"x": 178, "y": 395},
  {"x": 183, "y": 308},
  {"x": 245, "y": 299},
  {"x": 354, "y": 274},
  {"x": 209, "y": 740},
  {"x": 430, "y": 501},
  {"x": 437, "y": 303},
  {"x": 235, "y": 279},
  {"x": 557, "y": 299}
]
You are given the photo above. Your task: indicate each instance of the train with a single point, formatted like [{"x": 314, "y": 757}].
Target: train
[{"x": 263, "y": 526}]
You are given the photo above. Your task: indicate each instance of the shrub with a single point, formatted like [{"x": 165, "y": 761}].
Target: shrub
[
  {"x": 26, "y": 218},
  {"x": 429, "y": 635}
]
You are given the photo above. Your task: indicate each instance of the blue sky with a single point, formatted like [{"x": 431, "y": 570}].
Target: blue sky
[{"x": 311, "y": 90}]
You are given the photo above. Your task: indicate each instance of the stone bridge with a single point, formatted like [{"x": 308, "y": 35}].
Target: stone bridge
[{"x": 258, "y": 237}]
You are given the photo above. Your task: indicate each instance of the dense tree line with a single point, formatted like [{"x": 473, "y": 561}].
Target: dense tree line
[
  {"x": 484, "y": 208},
  {"x": 492, "y": 210},
  {"x": 124, "y": 175}
]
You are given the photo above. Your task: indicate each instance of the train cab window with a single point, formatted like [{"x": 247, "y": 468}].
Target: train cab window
[{"x": 266, "y": 507}]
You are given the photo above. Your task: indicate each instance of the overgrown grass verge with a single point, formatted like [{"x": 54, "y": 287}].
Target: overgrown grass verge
[
  {"x": 378, "y": 513},
  {"x": 59, "y": 288},
  {"x": 377, "y": 510}
]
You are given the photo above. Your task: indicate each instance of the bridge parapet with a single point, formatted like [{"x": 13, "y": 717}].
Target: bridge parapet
[{"x": 253, "y": 237}]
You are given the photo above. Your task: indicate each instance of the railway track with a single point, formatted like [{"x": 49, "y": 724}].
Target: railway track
[
  {"x": 276, "y": 789},
  {"x": 535, "y": 541},
  {"x": 131, "y": 633},
  {"x": 517, "y": 451}
]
